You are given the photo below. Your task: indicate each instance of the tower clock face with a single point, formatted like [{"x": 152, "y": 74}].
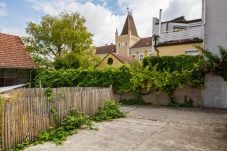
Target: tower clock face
[{"x": 122, "y": 44}]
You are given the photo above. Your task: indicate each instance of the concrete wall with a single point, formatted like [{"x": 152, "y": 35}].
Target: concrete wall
[
  {"x": 215, "y": 33},
  {"x": 215, "y": 24},
  {"x": 162, "y": 98},
  {"x": 215, "y": 92}
]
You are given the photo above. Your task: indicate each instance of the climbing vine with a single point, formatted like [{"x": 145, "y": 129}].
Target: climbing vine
[{"x": 214, "y": 63}]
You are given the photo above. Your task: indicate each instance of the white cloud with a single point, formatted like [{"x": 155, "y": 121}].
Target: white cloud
[
  {"x": 2, "y": 9},
  {"x": 14, "y": 31},
  {"x": 190, "y": 9},
  {"x": 102, "y": 22},
  {"x": 99, "y": 20}
]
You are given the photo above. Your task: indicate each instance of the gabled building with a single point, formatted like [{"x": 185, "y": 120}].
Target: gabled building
[
  {"x": 142, "y": 48},
  {"x": 128, "y": 43},
  {"x": 178, "y": 36},
  {"x": 113, "y": 59},
  {"x": 15, "y": 61},
  {"x": 102, "y": 51}
]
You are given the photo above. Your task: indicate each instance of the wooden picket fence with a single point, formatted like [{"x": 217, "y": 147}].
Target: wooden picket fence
[{"x": 29, "y": 110}]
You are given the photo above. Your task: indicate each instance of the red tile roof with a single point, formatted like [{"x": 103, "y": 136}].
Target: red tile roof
[
  {"x": 143, "y": 42},
  {"x": 124, "y": 59},
  {"x": 106, "y": 49},
  {"x": 13, "y": 53},
  {"x": 129, "y": 25}
]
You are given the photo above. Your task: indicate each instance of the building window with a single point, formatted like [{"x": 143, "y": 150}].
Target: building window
[
  {"x": 12, "y": 76},
  {"x": 141, "y": 56},
  {"x": 191, "y": 52},
  {"x": 110, "y": 61},
  {"x": 177, "y": 28},
  {"x": 134, "y": 55},
  {"x": 149, "y": 54}
]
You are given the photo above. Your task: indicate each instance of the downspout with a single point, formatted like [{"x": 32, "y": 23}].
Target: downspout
[
  {"x": 155, "y": 47},
  {"x": 159, "y": 32},
  {"x": 204, "y": 12},
  {"x": 155, "y": 43}
]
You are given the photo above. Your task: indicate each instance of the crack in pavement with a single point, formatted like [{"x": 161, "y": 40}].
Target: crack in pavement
[{"x": 150, "y": 135}]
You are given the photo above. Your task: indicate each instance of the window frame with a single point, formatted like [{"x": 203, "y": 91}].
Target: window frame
[{"x": 141, "y": 58}]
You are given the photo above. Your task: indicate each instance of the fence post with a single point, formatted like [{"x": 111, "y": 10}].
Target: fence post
[
  {"x": 40, "y": 88},
  {"x": 111, "y": 92}
]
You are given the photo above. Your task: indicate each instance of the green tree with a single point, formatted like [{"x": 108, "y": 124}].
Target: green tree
[{"x": 57, "y": 37}]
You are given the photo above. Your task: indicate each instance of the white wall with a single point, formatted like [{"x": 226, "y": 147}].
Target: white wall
[
  {"x": 215, "y": 24},
  {"x": 215, "y": 33}
]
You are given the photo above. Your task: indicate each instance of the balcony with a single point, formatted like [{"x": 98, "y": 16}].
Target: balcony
[{"x": 182, "y": 35}]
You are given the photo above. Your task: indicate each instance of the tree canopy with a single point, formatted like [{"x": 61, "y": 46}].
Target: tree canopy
[{"x": 59, "y": 38}]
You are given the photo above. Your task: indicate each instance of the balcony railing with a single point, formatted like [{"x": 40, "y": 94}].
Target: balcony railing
[{"x": 191, "y": 33}]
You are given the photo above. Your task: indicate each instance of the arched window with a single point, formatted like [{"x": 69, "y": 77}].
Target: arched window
[{"x": 110, "y": 61}]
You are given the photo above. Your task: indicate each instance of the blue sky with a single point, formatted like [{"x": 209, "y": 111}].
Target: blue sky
[{"x": 102, "y": 16}]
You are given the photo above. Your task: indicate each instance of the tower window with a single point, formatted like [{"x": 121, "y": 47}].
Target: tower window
[{"x": 122, "y": 44}]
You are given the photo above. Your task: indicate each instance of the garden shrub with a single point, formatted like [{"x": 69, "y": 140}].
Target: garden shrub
[{"x": 111, "y": 110}]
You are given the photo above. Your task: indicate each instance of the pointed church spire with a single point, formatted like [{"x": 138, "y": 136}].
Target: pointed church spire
[{"x": 129, "y": 25}]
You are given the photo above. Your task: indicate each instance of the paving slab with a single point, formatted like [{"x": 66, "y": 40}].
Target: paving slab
[{"x": 152, "y": 128}]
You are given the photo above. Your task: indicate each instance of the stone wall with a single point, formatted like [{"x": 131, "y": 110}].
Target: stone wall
[{"x": 162, "y": 98}]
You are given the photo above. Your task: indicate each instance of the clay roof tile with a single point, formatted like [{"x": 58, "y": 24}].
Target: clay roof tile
[
  {"x": 106, "y": 49},
  {"x": 143, "y": 42},
  {"x": 13, "y": 53}
]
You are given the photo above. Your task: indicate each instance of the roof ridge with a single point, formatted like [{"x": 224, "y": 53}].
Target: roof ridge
[{"x": 9, "y": 35}]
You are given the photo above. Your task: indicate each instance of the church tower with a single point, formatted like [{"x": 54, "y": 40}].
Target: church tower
[{"x": 128, "y": 36}]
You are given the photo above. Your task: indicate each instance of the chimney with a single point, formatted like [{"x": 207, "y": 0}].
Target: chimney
[{"x": 160, "y": 21}]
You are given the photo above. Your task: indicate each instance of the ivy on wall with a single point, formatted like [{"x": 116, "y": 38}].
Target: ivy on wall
[
  {"x": 128, "y": 77},
  {"x": 214, "y": 63},
  {"x": 155, "y": 74},
  {"x": 172, "y": 63}
]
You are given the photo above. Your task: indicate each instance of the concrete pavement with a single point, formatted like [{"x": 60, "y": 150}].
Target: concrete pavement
[{"x": 151, "y": 128}]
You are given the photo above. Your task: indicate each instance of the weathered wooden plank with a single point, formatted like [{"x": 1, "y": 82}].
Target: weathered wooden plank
[
  {"x": 3, "y": 126},
  {"x": 24, "y": 117}
]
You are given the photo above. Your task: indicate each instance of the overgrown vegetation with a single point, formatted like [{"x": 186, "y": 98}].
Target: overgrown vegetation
[
  {"x": 125, "y": 78},
  {"x": 134, "y": 102},
  {"x": 111, "y": 110},
  {"x": 73, "y": 122},
  {"x": 172, "y": 63},
  {"x": 214, "y": 63},
  {"x": 187, "y": 103},
  {"x": 69, "y": 126},
  {"x": 20, "y": 146}
]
